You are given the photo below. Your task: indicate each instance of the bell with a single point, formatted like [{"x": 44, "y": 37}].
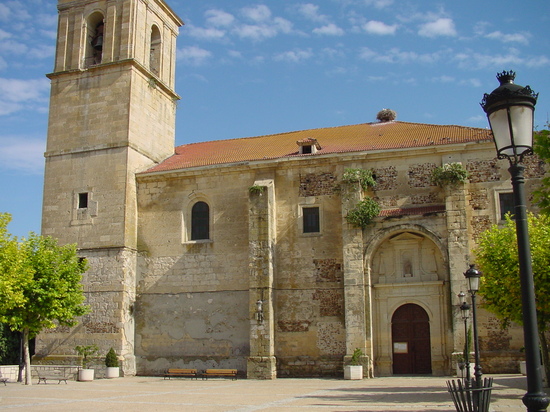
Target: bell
[{"x": 97, "y": 42}]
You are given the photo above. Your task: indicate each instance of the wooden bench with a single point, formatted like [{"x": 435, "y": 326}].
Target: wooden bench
[
  {"x": 54, "y": 375},
  {"x": 180, "y": 373},
  {"x": 221, "y": 373}
]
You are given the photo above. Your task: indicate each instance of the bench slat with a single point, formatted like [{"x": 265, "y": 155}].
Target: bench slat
[
  {"x": 180, "y": 373},
  {"x": 220, "y": 372}
]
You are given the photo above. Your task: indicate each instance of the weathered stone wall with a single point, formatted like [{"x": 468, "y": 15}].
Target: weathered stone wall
[{"x": 109, "y": 287}]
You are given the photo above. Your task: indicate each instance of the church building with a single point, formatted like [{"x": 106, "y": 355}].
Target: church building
[{"x": 239, "y": 253}]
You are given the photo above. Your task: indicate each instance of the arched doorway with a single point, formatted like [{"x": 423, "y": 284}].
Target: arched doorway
[{"x": 410, "y": 329}]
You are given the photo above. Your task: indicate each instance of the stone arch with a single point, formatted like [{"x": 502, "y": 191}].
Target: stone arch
[
  {"x": 417, "y": 272},
  {"x": 94, "y": 29},
  {"x": 383, "y": 234},
  {"x": 420, "y": 253},
  {"x": 155, "y": 50}
]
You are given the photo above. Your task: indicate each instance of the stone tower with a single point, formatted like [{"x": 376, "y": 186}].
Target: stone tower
[{"x": 112, "y": 114}]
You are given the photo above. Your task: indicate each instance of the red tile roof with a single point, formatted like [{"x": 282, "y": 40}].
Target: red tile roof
[{"x": 342, "y": 139}]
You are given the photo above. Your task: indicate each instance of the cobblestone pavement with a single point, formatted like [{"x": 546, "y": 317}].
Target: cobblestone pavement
[{"x": 156, "y": 394}]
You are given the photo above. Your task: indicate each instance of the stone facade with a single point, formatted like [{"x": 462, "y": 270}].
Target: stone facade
[{"x": 260, "y": 293}]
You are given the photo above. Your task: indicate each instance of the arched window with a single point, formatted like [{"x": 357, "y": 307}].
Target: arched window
[
  {"x": 200, "y": 221},
  {"x": 154, "y": 56},
  {"x": 94, "y": 39}
]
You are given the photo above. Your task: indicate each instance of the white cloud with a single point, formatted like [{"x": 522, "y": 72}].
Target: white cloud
[
  {"x": 4, "y": 35},
  {"x": 259, "y": 13},
  {"x": 330, "y": 29},
  {"x": 443, "y": 79},
  {"x": 193, "y": 55},
  {"x": 311, "y": 12},
  {"x": 18, "y": 91},
  {"x": 255, "y": 32},
  {"x": 22, "y": 154},
  {"x": 219, "y": 18},
  {"x": 44, "y": 52},
  {"x": 522, "y": 38},
  {"x": 258, "y": 32},
  {"x": 394, "y": 55},
  {"x": 7, "y": 108},
  {"x": 439, "y": 27},
  {"x": 294, "y": 56},
  {"x": 379, "y": 4},
  {"x": 209, "y": 33},
  {"x": 13, "y": 11},
  {"x": 378, "y": 27}
]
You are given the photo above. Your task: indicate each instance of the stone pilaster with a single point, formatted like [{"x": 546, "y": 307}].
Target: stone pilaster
[
  {"x": 355, "y": 297},
  {"x": 261, "y": 229},
  {"x": 459, "y": 252}
]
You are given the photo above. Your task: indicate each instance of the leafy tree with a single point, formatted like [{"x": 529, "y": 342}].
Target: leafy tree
[
  {"x": 497, "y": 258},
  {"x": 44, "y": 290},
  {"x": 9, "y": 346},
  {"x": 542, "y": 148}
]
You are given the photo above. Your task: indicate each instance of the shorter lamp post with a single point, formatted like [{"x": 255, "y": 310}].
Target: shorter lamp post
[
  {"x": 473, "y": 275},
  {"x": 510, "y": 110},
  {"x": 465, "y": 311}
]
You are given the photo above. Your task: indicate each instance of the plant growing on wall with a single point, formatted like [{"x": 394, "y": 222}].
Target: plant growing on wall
[
  {"x": 362, "y": 176},
  {"x": 256, "y": 189},
  {"x": 449, "y": 174},
  {"x": 363, "y": 213}
]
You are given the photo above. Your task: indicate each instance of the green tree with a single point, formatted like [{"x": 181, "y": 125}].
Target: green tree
[
  {"x": 497, "y": 258},
  {"x": 541, "y": 147},
  {"x": 44, "y": 291}
]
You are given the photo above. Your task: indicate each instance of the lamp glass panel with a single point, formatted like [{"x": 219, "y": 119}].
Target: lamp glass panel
[
  {"x": 501, "y": 132},
  {"x": 473, "y": 282},
  {"x": 522, "y": 127}
]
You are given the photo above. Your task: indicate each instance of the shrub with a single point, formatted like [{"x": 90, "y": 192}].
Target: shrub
[
  {"x": 111, "y": 360},
  {"x": 363, "y": 213}
]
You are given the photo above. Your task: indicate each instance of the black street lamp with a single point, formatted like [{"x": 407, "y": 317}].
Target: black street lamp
[
  {"x": 510, "y": 110},
  {"x": 473, "y": 275},
  {"x": 465, "y": 311}
]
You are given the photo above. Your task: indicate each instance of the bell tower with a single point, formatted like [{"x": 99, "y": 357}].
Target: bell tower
[{"x": 112, "y": 114}]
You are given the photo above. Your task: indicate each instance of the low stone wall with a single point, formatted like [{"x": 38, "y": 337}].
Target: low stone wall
[{"x": 309, "y": 367}]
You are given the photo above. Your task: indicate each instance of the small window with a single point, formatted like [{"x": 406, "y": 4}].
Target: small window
[
  {"x": 200, "y": 221},
  {"x": 306, "y": 149},
  {"x": 506, "y": 201},
  {"x": 83, "y": 200},
  {"x": 311, "y": 220}
]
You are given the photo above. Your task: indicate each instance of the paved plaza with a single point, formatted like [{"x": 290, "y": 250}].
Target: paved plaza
[{"x": 156, "y": 394}]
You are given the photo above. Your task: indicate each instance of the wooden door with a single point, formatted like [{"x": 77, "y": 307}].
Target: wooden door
[{"x": 411, "y": 341}]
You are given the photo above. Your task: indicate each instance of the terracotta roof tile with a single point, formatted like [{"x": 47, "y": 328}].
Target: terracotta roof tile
[{"x": 342, "y": 139}]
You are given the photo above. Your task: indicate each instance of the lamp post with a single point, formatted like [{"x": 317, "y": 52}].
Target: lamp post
[
  {"x": 510, "y": 110},
  {"x": 473, "y": 275},
  {"x": 465, "y": 311}
]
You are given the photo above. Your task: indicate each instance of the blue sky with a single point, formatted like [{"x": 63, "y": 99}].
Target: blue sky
[{"x": 249, "y": 68}]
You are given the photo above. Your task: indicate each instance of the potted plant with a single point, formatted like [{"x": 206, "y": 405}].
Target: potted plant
[
  {"x": 111, "y": 362},
  {"x": 354, "y": 369},
  {"x": 85, "y": 374}
]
